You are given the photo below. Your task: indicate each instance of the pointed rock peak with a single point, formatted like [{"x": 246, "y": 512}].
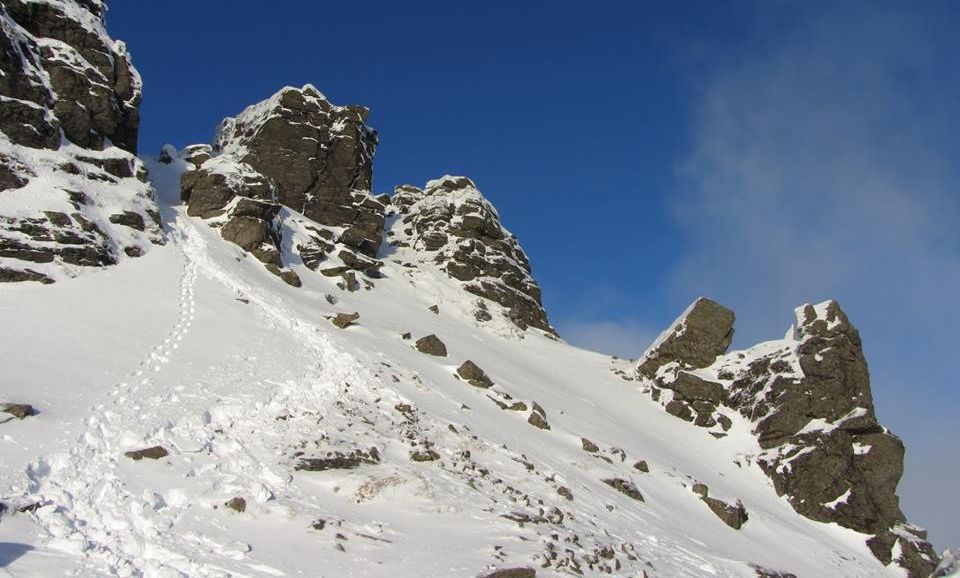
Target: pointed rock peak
[
  {"x": 450, "y": 224},
  {"x": 826, "y": 318},
  {"x": 703, "y": 332}
]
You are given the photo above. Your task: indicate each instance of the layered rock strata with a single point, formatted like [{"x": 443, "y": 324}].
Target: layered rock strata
[{"x": 72, "y": 192}]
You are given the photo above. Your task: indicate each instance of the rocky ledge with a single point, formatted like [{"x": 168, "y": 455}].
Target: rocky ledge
[{"x": 809, "y": 401}]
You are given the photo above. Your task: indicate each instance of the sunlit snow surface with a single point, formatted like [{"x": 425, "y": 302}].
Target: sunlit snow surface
[{"x": 197, "y": 348}]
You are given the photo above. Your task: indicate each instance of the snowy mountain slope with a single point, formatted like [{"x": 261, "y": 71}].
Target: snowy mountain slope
[{"x": 247, "y": 385}]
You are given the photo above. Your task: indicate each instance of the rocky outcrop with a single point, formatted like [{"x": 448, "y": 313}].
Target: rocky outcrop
[
  {"x": 808, "y": 397},
  {"x": 693, "y": 341},
  {"x": 319, "y": 157},
  {"x": 73, "y": 192},
  {"x": 299, "y": 151},
  {"x": 451, "y": 224},
  {"x": 703, "y": 332},
  {"x": 62, "y": 72}
]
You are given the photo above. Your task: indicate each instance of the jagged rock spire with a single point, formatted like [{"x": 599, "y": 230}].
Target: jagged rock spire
[{"x": 809, "y": 399}]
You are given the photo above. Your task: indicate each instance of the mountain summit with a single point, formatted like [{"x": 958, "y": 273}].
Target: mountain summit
[{"x": 236, "y": 359}]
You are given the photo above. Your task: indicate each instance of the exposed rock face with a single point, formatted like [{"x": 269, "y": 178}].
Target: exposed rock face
[
  {"x": 319, "y": 157},
  {"x": 703, "y": 332},
  {"x": 57, "y": 58},
  {"x": 452, "y": 223},
  {"x": 299, "y": 151},
  {"x": 694, "y": 341},
  {"x": 81, "y": 200},
  {"x": 810, "y": 400}
]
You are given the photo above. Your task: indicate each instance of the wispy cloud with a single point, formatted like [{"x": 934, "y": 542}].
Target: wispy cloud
[
  {"x": 627, "y": 339},
  {"x": 825, "y": 166}
]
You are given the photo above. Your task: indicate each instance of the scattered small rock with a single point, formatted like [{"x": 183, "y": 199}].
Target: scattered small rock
[
  {"x": 344, "y": 320},
  {"x": 565, "y": 492},
  {"x": 424, "y": 456},
  {"x": 153, "y": 453},
  {"x": 237, "y": 504},
  {"x": 431, "y": 345},
  {"x": 589, "y": 446},
  {"x": 625, "y": 487},
  {"x": 406, "y": 336},
  {"x": 319, "y": 524},
  {"x": 339, "y": 461},
  {"x": 642, "y": 466},
  {"x": 435, "y": 309}
]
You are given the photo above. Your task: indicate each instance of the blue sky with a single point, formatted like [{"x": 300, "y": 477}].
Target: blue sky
[{"x": 762, "y": 153}]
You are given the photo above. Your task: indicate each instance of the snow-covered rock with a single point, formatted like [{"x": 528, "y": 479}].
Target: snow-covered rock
[
  {"x": 809, "y": 401},
  {"x": 73, "y": 194},
  {"x": 449, "y": 224},
  {"x": 303, "y": 156}
]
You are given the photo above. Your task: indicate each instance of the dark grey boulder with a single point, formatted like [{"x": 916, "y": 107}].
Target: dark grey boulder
[
  {"x": 696, "y": 338},
  {"x": 538, "y": 417},
  {"x": 431, "y": 345},
  {"x": 472, "y": 374},
  {"x": 344, "y": 320},
  {"x": 18, "y": 410},
  {"x": 152, "y": 453}
]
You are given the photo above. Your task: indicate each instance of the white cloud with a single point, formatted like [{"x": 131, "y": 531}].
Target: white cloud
[
  {"x": 626, "y": 339},
  {"x": 824, "y": 166}
]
